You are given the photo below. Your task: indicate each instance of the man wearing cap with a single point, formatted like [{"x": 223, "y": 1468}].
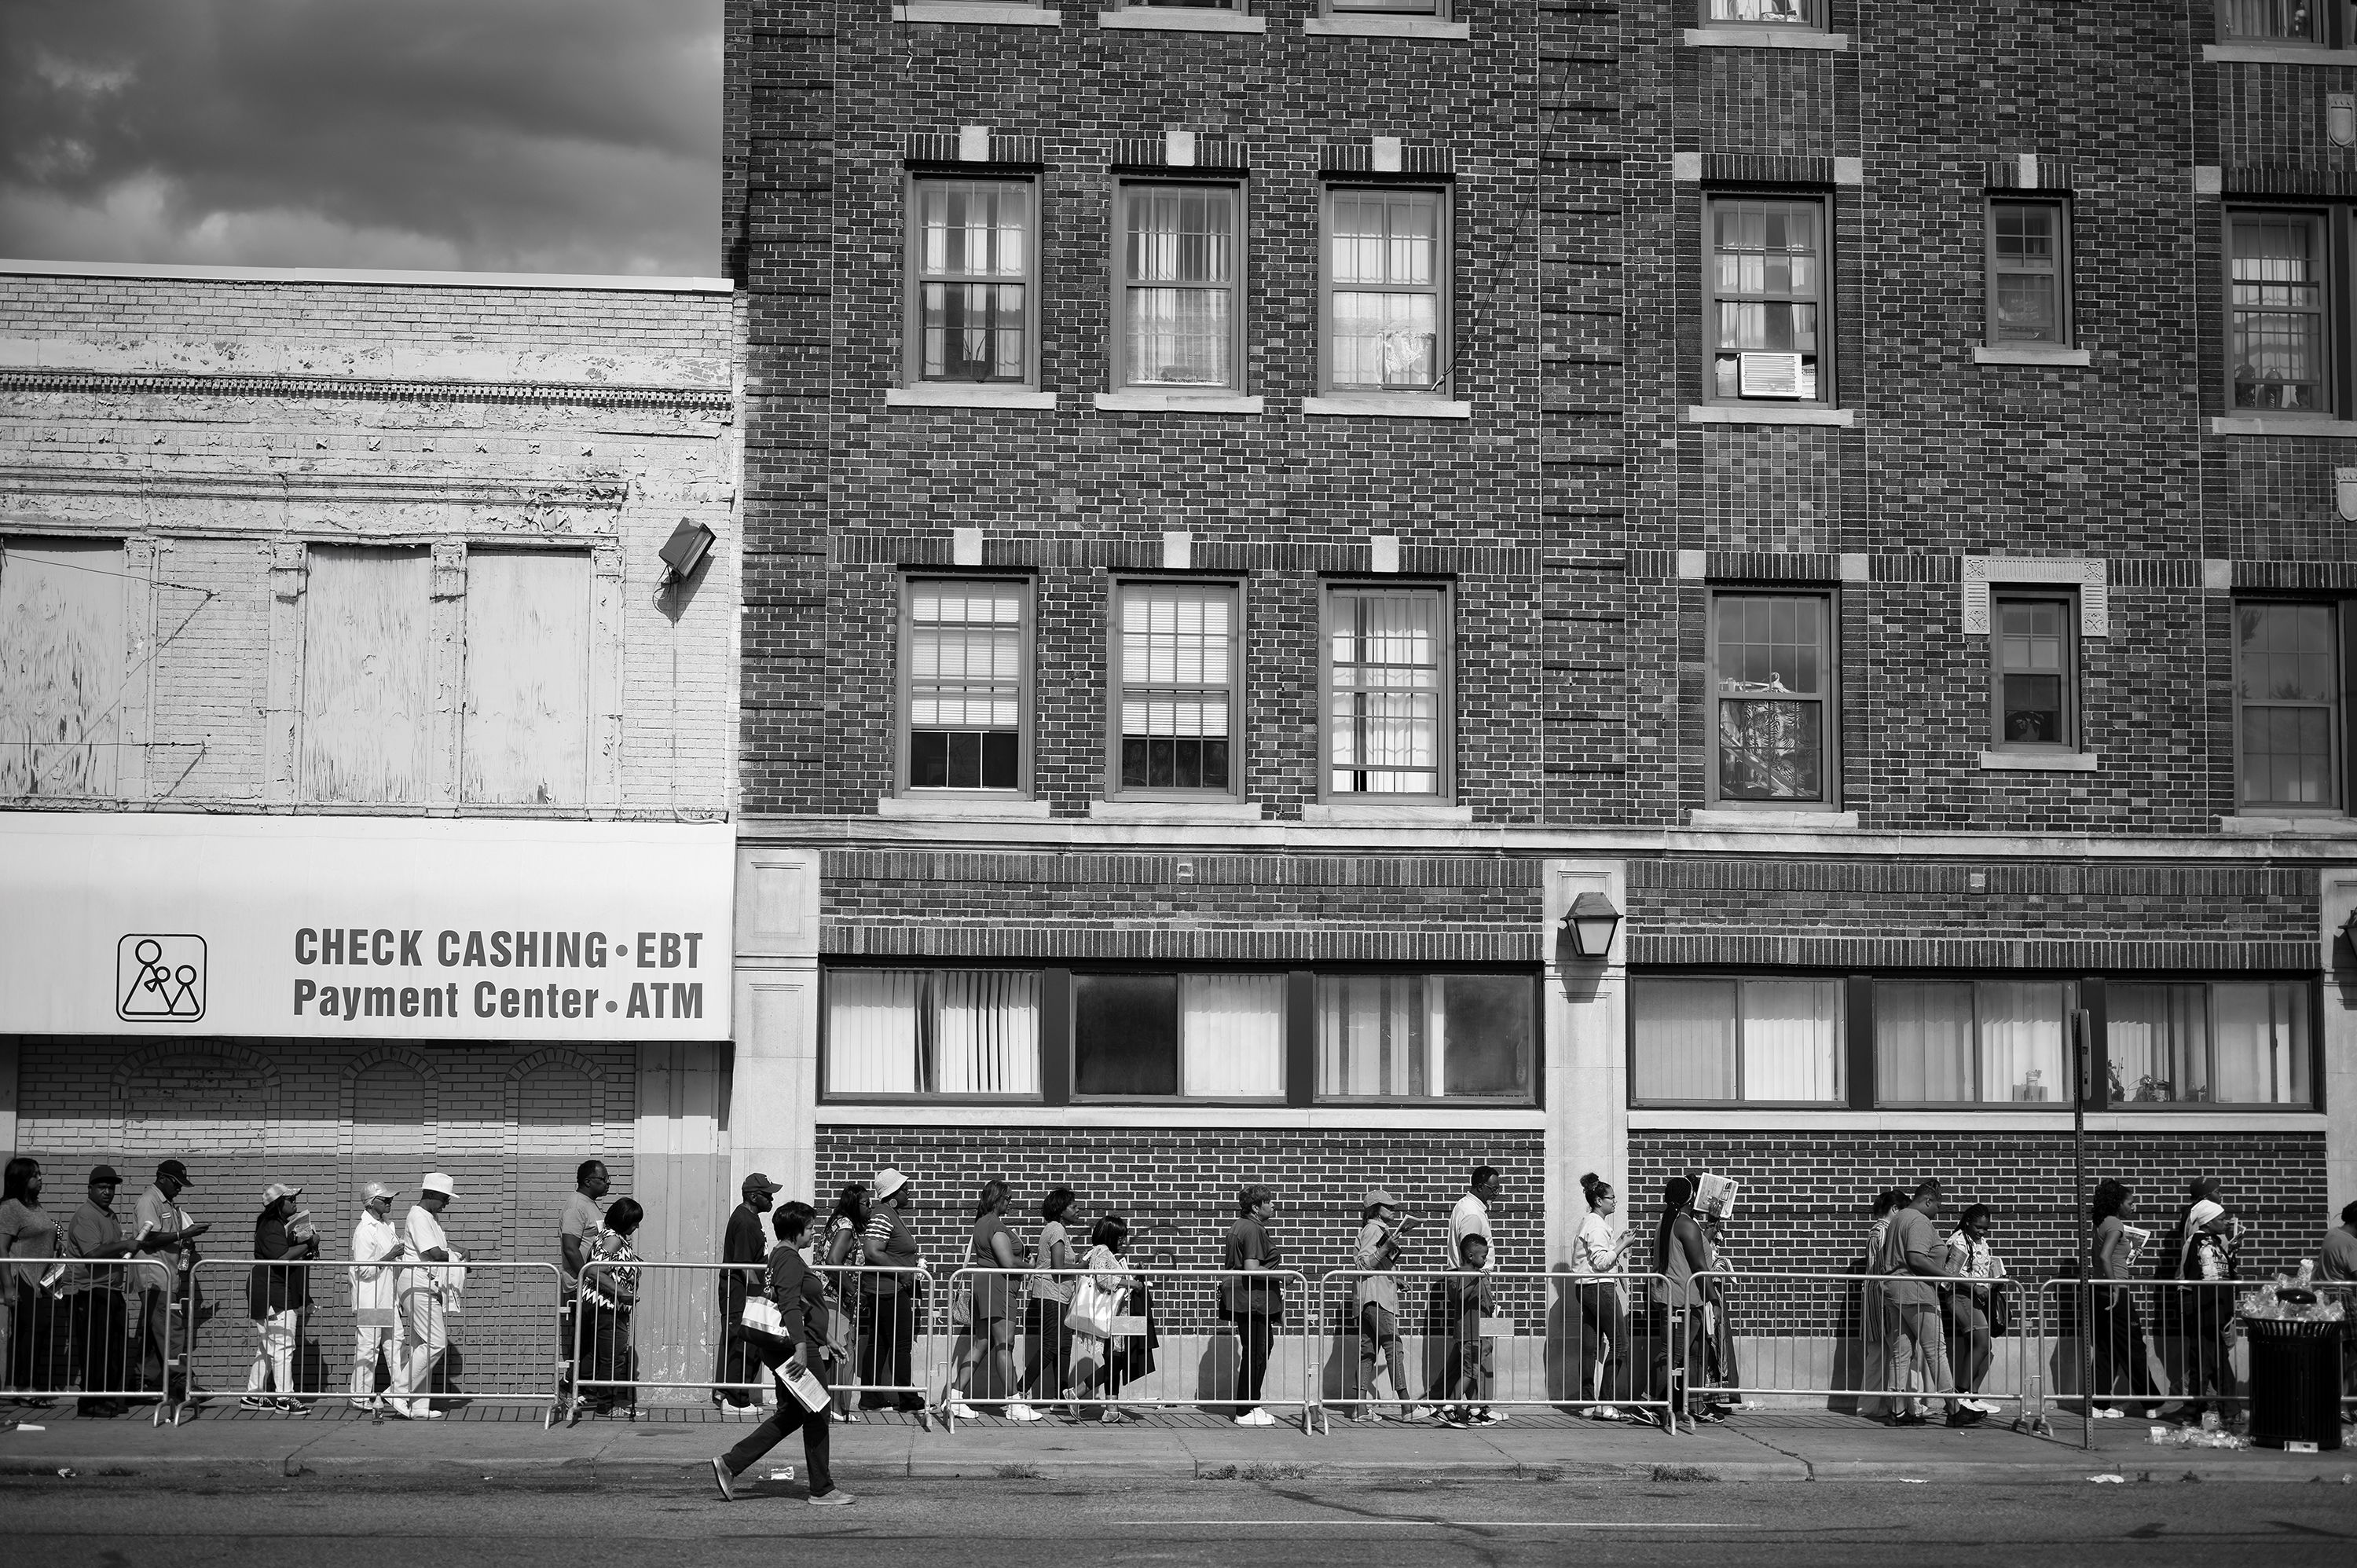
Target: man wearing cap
[
  {"x": 1377, "y": 1297},
  {"x": 743, "y": 1247},
  {"x": 169, "y": 1243},
  {"x": 425, "y": 1330},
  {"x": 96, "y": 1297},
  {"x": 375, "y": 1304},
  {"x": 277, "y": 1292},
  {"x": 888, "y": 1302},
  {"x": 581, "y": 1221}
]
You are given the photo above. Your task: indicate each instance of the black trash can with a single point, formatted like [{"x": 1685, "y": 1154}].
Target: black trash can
[{"x": 2295, "y": 1381}]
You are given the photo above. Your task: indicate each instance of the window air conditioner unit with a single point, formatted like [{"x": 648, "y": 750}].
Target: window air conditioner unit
[{"x": 1770, "y": 375}]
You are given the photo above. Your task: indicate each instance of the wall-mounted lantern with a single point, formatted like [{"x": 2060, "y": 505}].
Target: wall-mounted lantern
[{"x": 1590, "y": 922}]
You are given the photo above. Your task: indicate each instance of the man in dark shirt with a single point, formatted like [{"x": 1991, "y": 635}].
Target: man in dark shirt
[
  {"x": 745, "y": 1247},
  {"x": 101, "y": 1351}
]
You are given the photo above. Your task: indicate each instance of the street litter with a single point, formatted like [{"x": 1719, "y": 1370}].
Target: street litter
[
  {"x": 2195, "y": 1437},
  {"x": 67, "y": 1473},
  {"x": 2109, "y": 1480}
]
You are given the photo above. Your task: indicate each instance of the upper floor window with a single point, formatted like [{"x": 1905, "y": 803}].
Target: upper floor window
[
  {"x": 2223, "y": 1043},
  {"x": 1387, "y": 690},
  {"x": 1772, "y": 679},
  {"x": 1387, "y": 8},
  {"x": 63, "y": 637},
  {"x": 1756, "y": 12},
  {"x": 524, "y": 738},
  {"x": 1767, "y": 312},
  {"x": 1425, "y": 1037},
  {"x": 2029, "y": 273},
  {"x": 973, "y": 276},
  {"x": 2278, "y": 322},
  {"x": 1937, "y": 1041},
  {"x": 2275, "y": 21},
  {"x": 968, "y": 672},
  {"x": 1706, "y": 1039},
  {"x": 2287, "y": 706},
  {"x": 1181, "y": 272},
  {"x": 1386, "y": 288},
  {"x": 1178, "y": 695},
  {"x": 2033, "y": 647}
]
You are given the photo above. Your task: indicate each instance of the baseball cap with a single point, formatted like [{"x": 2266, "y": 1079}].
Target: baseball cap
[
  {"x": 104, "y": 1173},
  {"x": 277, "y": 1190},
  {"x": 437, "y": 1182},
  {"x": 377, "y": 1189},
  {"x": 887, "y": 1182},
  {"x": 176, "y": 1170},
  {"x": 757, "y": 1182},
  {"x": 1378, "y": 1198}
]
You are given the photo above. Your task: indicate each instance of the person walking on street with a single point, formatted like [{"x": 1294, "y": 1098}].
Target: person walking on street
[
  {"x": 609, "y": 1291},
  {"x": 275, "y": 1294},
  {"x": 1254, "y": 1302},
  {"x": 1376, "y": 1306},
  {"x": 1471, "y": 1216},
  {"x": 887, "y": 1300},
  {"x": 376, "y": 1246},
  {"x": 839, "y": 1256},
  {"x": 96, "y": 1297},
  {"x": 1599, "y": 1264},
  {"x": 1047, "y": 1337},
  {"x": 425, "y": 1289},
  {"x": 995, "y": 1254},
  {"x": 1974, "y": 1311},
  {"x": 2118, "y": 1341},
  {"x": 798, "y": 1293},
  {"x": 744, "y": 1252},
  {"x": 1917, "y": 1257},
  {"x": 31, "y": 1324},
  {"x": 580, "y": 1219},
  {"x": 168, "y": 1238}
]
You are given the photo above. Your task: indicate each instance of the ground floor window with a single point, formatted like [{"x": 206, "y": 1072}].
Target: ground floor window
[
  {"x": 1704, "y": 1039},
  {"x": 1422, "y": 1036},
  {"x": 913, "y": 1031}
]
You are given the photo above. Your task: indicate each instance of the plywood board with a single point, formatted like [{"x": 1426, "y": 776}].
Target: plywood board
[
  {"x": 526, "y": 736},
  {"x": 61, "y": 667},
  {"x": 367, "y": 707}
]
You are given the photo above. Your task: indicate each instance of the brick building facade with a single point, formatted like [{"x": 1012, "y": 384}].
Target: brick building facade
[{"x": 1829, "y": 504}]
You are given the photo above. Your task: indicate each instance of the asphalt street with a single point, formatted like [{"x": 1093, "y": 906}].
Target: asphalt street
[{"x": 131, "y": 1520}]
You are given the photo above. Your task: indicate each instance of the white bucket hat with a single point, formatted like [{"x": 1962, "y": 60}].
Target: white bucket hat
[
  {"x": 887, "y": 1182},
  {"x": 437, "y": 1182}
]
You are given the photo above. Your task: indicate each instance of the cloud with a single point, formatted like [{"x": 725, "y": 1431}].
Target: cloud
[{"x": 510, "y": 135}]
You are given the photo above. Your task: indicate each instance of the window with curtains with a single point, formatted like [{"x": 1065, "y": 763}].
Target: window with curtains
[
  {"x": 1763, "y": 13},
  {"x": 2220, "y": 1043},
  {"x": 2278, "y": 326},
  {"x": 1772, "y": 678},
  {"x": 2275, "y": 21},
  {"x": 1701, "y": 1040},
  {"x": 1177, "y": 697},
  {"x": 1768, "y": 298},
  {"x": 1197, "y": 1036},
  {"x": 1386, "y": 290},
  {"x": 1181, "y": 281},
  {"x": 2033, "y": 672},
  {"x": 973, "y": 275},
  {"x": 2028, "y": 278},
  {"x": 1997, "y": 1041},
  {"x": 967, "y": 670},
  {"x": 2287, "y": 706},
  {"x": 1388, "y": 728},
  {"x": 967, "y": 1033},
  {"x": 1425, "y": 1037}
]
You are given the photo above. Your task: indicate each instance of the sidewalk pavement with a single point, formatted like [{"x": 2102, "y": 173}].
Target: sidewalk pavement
[{"x": 1534, "y": 1444}]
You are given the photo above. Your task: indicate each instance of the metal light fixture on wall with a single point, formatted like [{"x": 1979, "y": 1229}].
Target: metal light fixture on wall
[
  {"x": 1590, "y": 922},
  {"x": 685, "y": 550}
]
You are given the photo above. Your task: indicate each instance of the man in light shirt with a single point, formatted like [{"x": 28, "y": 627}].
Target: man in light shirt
[
  {"x": 424, "y": 1327},
  {"x": 375, "y": 1301},
  {"x": 168, "y": 1240},
  {"x": 1472, "y": 1215}
]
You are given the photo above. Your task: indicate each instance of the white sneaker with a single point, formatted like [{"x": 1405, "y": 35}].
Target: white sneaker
[
  {"x": 420, "y": 1411},
  {"x": 1259, "y": 1418},
  {"x": 1603, "y": 1413},
  {"x": 1020, "y": 1413},
  {"x": 2110, "y": 1412},
  {"x": 964, "y": 1412}
]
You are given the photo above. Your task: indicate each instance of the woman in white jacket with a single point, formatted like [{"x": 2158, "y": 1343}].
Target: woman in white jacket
[
  {"x": 1600, "y": 1261},
  {"x": 375, "y": 1245}
]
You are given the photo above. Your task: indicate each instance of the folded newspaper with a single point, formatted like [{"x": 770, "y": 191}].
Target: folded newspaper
[{"x": 1716, "y": 1197}]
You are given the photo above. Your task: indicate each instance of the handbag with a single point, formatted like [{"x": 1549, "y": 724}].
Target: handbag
[
  {"x": 962, "y": 1302},
  {"x": 761, "y": 1317},
  {"x": 1094, "y": 1309}
]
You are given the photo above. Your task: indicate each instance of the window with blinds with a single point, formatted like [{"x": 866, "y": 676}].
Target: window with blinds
[
  {"x": 1178, "y": 683},
  {"x": 967, "y": 667},
  {"x": 970, "y": 1033},
  {"x": 1387, "y": 677}
]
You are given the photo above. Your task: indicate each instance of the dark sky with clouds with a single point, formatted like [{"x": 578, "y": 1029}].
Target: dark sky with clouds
[{"x": 502, "y": 136}]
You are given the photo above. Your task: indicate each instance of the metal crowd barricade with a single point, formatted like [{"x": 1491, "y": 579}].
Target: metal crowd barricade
[
  {"x": 672, "y": 1335},
  {"x": 78, "y": 1328},
  {"x": 501, "y": 1342},
  {"x": 2149, "y": 1344},
  {"x": 1832, "y": 1341},
  {"x": 1550, "y": 1340},
  {"x": 1176, "y": 1348}
]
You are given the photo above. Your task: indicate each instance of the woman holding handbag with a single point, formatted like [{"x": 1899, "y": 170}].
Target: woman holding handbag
[
  {"x": 1108, "y": 1290},
  {"x": 801, "y": 1357},
  {"x": 1974, "y": 1310},
  {"x": 1047, "y": 1342},
  {"x": 989, "y": 1308}
]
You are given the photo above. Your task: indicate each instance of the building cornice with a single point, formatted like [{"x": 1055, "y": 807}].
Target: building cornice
[{"x": 360, "y": 389}]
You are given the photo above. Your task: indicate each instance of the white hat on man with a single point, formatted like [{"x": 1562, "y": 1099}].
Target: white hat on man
[{"x": 437, "y": 1182}]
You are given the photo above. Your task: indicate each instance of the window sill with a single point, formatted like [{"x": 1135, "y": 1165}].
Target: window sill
[
  {"x": 1163, "y": 1115},
  {"x": 1763, "y": 38},
  {"x": 1155, "y": 19},
  {"x": 935, "y": 394},
  {"x": 1386, "y": 27},
  {"x": 1768, "y": 413},
  {"x": 2042, "y": 761},
  {"x": 1384, "y": 814},
  {"x": 2274, "y": 54},
  {"x": 2280, "y": 425},
  {"x": 1176, "y": 812},
  {"x": 2032, "y": 354},
  {"x": 1767, "y": 820},
  {"x": 1399, "y": 405},
  {"x": 2320, "y": 826},
  {"x": 977, "y": 15},
  {"x": 1136, "y": 401},
  {"x": 959, "y": 806},
  {"x": 2026, "y": 1116}
]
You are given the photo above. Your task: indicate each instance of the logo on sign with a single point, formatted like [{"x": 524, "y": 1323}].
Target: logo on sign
[{"x": 159, "y": 978}]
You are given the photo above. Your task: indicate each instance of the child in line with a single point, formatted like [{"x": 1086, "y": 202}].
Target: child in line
[{"x": 1469, "y": 1301}]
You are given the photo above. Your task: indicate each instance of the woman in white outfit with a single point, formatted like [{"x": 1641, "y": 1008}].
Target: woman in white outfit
[
  {"x": 1601, "y": 1261},
  {"x": 376, "y": 1245}
]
